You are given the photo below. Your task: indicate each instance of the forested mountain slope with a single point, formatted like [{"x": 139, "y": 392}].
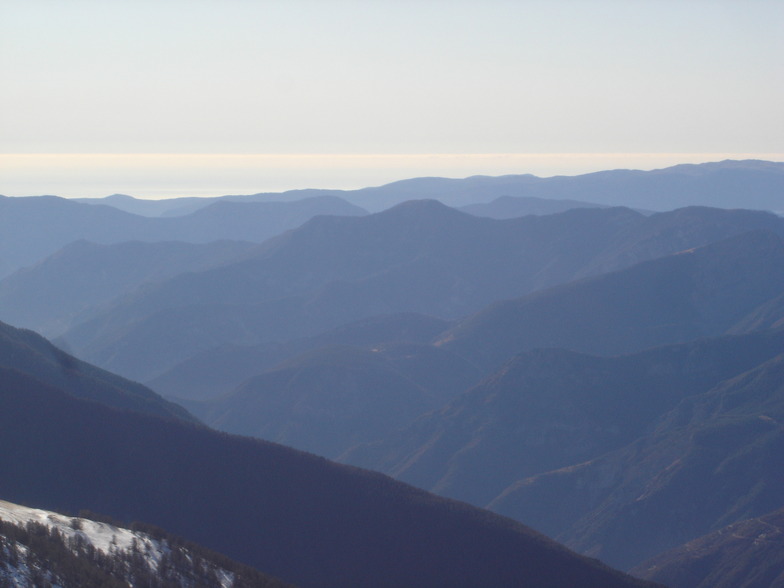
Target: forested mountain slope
[
  {"x": 42, "y": 548},
  {"x": 28, "y": 353},
  {"x": 551, "y": 408},
  {"x": 711, "y": 461},
  {"x": 291, "y": 514},
  {"x": 747, "y": 554}
]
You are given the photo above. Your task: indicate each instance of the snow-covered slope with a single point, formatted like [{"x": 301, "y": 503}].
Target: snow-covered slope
[
  {"x": 40, "y": 547},
  {"x": 102, "y": 536}
]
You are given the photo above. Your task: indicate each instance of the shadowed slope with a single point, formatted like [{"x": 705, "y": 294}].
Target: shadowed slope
[
  {"x": 293, "y": 515},
  {"x": 28, "y": 352},
  {"x": 330, "y": 399},
  {"x": 219, "y": 370}
]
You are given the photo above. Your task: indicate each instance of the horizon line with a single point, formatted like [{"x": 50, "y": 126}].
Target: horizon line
[{"x": 423, "y": 154}]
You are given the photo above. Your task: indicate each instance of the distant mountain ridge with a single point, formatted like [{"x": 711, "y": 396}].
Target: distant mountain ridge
[
  {"x": 752, "y": 184},
  {"x": 515, "y": 206},
  {"x": 82, "y": 277},
  {"x": 31, "y": 228}
]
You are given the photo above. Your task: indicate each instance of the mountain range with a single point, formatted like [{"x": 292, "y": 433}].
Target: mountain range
[
  {"x": 490, "y": 351},
  {"x": 708, "y": 462},
  {"x": 516, "y": 206},
  {"x": 304, "y": 402},
  {"x": 610, "y": 376},
  {"x": 206, "y": 374},
  {"x": 696, "y": 293},
  {"x": 83, "y": 276},
  {"x": 33, "y": 228},
  {"x": 328, "y": 400},
  {"x": 293, "y": 515},
  {"x": 420, "y": 257},
  {"x": 751, "y": 184},
  {"x": 551, "y": 408}
]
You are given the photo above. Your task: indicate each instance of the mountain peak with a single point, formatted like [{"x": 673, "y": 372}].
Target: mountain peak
[
  {"x": 425, "y": 208},
  {"x": 420, "y": 205}
]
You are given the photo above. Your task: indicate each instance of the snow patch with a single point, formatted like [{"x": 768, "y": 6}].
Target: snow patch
[{"x": 104, "y": 537}]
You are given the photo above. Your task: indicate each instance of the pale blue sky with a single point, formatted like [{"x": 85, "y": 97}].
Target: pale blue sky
[{"x": 378, "y": 78}]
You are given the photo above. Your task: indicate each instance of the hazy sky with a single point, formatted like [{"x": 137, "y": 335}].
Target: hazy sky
[{"x": 495, "y": 82}]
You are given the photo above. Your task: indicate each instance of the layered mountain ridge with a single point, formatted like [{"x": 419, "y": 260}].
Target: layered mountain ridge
[
  {"x": 752, "y": 184},
  {"x": 293, "y": 515},
  {"x": 610, "y": 376},
  {"x": 32, "y": 228},
  {"x": 418, "y": 257}
]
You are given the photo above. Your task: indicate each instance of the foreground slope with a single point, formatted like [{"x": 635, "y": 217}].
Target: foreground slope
[
  {"x": 293, "y": 515},
  {"x": 42, "y": 548}
]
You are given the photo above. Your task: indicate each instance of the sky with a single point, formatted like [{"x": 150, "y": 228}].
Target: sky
[{"x": 207, "y": 97}]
